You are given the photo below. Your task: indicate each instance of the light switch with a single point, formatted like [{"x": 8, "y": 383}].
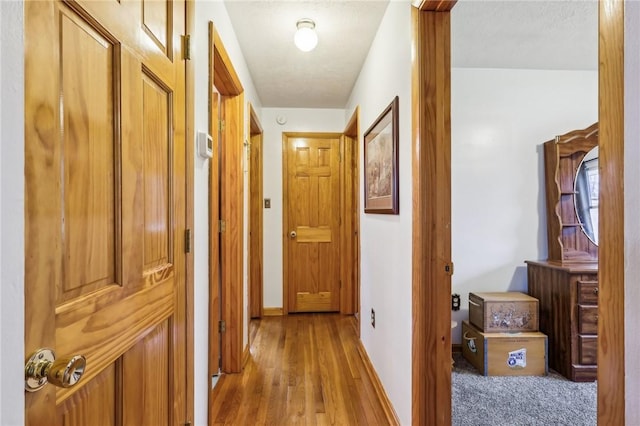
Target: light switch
[{"x": 267, "y": 203}]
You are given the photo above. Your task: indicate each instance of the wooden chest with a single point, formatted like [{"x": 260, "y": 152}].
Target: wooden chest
[
  {"x": 504, "y": 311},
  {"x": 505, "y": 354}
]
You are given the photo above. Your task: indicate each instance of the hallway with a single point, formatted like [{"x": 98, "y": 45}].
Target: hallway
[{"x": 303, "y": 369}]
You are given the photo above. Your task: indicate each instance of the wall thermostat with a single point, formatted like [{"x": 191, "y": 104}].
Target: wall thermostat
[{"x": 205, "y": 145}]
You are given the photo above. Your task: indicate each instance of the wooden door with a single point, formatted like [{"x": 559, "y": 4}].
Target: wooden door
[
  {"x": 106, "y": 208},
  {"x": 312, "y": 222}
]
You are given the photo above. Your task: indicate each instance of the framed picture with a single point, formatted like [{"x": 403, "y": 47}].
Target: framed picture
[{"x": 381, "y": 163}]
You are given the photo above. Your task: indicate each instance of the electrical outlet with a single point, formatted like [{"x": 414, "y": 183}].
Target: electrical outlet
[
  {"x": 373, "y": 318},
  {"x": 455, "y": 302},
  {"x": 267, "y": 203}
]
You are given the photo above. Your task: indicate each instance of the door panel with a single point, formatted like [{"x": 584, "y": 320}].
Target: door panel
[
  {"x": 313, "y": 214},
  {"x": 106, "y": 209},
  {"x": 94, "y": 404}
]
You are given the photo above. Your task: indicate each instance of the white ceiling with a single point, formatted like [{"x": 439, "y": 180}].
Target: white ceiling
[{"x": 538, "y": 34}]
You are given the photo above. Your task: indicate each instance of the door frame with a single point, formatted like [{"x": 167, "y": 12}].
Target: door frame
[
  {"x": 350, "y": 196},
  {"x": 431, "y": 288},
  {"x": 255, "y": 223},
  {"x": 431, "y": 390},
  {"x": 611, "y": 258},
  {"x": 223, "y": 76}
]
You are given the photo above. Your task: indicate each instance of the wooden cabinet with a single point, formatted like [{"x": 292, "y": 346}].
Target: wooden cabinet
[
  {"x": 568, "y": 315},
  {"x": 566, "y": 285}
]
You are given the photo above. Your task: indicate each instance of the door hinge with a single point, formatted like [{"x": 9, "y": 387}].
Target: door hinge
[
  {"x": 221, "y": 125},
  {"x": 187, "y": 47},
  {"x": 187, "y": 240},
  {"x": 222, "y": 326},
  {"x": 222, "y": 226},
  {"x": 448, "y": 268},
  {"x": 340, "y": 283}
]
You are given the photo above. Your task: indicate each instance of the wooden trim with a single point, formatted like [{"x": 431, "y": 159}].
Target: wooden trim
[
  {"x": 232, "y": 200},
  {"x": 272, "y": 312},
  {"x": 227, "y": 80},
  {"x": 389, "y": 411},
  {"x": 350, "y": 224},
  {"x": 190, "y": 192},
  {"x": 431, "y": 136},
  {"x": 434, "y": 5},
  {"x": 246, "y": 354},
  {"x": 254, "y": 122},
  {"x": 231, "y": 192},
  {"x": 285, "y": 227},
  {"x": 255, "y": 254},
  {"x": 213, "y": 354},
  {"x": 611, "y": 298}
]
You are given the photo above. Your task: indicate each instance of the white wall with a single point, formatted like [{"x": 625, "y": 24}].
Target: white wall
[
  {"x": 632, "y": 206},
  {"x": 386, "y": 239},
  {"x": 499, "y": 120},
  {"x": 298, "y": 120},
  {"x": 11, "y": 213},
  {"x": 211, "y": 11}
]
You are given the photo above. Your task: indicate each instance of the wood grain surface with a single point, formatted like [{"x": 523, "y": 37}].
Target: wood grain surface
[
  {"x": 431, "y": 288},
  {"x": 611, "y": 298},
  {"x": 106, "y": 207},
  {"x": 303, "y": 369}
]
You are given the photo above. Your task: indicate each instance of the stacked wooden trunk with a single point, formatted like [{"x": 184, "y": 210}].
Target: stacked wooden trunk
[{"x": 501, "y": 337}]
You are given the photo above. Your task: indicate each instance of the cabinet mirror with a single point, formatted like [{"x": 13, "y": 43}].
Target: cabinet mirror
[{"x": 586, "y": 188}]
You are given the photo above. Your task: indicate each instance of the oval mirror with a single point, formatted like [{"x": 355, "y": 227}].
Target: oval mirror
[{"x": 586, "y": 188}]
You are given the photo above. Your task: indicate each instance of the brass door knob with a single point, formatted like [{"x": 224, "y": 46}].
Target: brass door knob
[
  {"x": 293, "y": 234},
  {"x": 42, "y": 367}
]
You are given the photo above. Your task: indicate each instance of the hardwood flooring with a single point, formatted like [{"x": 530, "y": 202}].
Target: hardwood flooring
[{"x": 302, "y": 369}]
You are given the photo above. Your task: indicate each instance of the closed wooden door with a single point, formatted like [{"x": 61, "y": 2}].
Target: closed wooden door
[
  {"x": 312, "y": 222},
  {"x": 105, "y": 208}
]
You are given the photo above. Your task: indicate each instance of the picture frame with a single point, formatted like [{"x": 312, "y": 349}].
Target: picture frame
[{"x": 381, "y": 192}]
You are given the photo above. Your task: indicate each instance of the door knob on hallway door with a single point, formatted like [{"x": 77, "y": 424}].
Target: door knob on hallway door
[
  {"x": 42, "y": 368},
  {"x": 293, "y": 234}
]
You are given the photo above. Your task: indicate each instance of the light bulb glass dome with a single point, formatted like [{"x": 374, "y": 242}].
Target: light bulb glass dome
[{"x": 306, "y": 38}]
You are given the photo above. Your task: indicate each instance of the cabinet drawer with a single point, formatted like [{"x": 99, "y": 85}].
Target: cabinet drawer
[
  {"x": 588, "y": 350},
  {"x": 588, "y": 292},
  {"x": 587, "y": 319}
]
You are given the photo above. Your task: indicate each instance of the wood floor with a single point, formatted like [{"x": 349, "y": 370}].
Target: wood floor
[{"x": 303, "y": 369}]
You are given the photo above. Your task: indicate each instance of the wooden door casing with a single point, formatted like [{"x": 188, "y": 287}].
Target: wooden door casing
[
  {"x": 222, "y": 75},
  {"x": 431, "y": 146},
  {"x": 106, "y": 208},
  {"x": 255, "y": 260},
  {"x": 350, "y": 223},
  {"x": 215, "y": 272},
  {"x": 312, "y": 210}
]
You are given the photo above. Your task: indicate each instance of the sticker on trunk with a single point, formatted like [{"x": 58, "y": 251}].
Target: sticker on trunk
[{"x": 517, "y": 359}]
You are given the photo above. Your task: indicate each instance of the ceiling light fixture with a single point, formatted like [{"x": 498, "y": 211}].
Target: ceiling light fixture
[{"x": 306, "y": 38}]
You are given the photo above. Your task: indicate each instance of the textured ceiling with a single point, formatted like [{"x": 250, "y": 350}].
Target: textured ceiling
[
  {"x": 287, "y": 77},
  {"x": 525, "y": 34},
  {"x": 535, "y": 34}
]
